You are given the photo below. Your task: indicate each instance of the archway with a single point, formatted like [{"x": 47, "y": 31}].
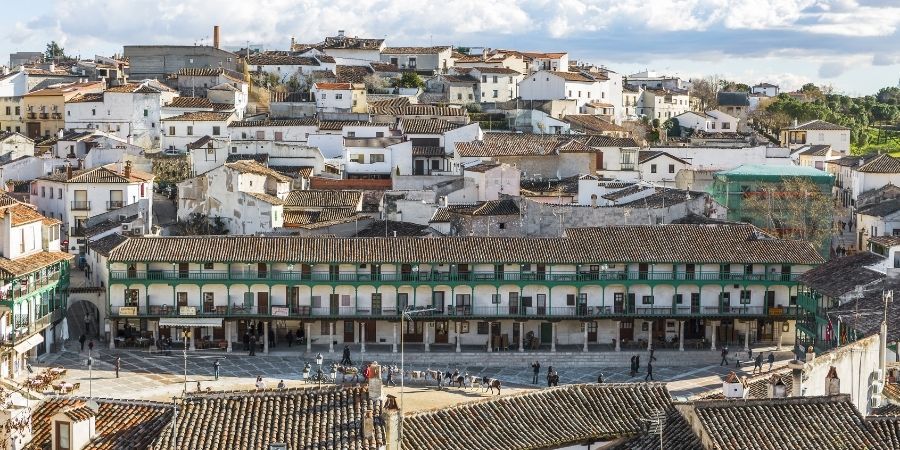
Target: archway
[{"x": 84, "y": 318}]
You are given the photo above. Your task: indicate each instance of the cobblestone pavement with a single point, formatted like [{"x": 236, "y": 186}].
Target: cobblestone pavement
[{"x": 159, "y": 377}]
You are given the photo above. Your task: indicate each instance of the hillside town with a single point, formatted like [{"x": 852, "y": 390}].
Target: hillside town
[{"x": 465, "y": 245}]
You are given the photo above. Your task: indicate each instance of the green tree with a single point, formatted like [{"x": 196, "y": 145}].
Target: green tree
[
  {"x": 889, "y": 95},
  {"x": 293, "y": 84},
  {"x": 54, "y": 52},
  {"x": 410, "y": 80}
]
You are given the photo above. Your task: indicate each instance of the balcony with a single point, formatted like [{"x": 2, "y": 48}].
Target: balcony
[
  {"x": 81, "y": 205},
  {"x": 22, "y": 330},
  {"x": 23, "y": 290},
  {"x": 436, "y": 277},
  {"x": 31, "y": 116},
  {"x": 44, "y": 116},
  {"x": 113, "y": 204}
]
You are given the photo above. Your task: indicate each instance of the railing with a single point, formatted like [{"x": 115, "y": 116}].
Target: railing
[
  {"x": 114, "y": 204},
  {"x": 433, "y": 277},
  {"x": 34, "y": 285},
  {"x": 22, "y": 329},
  {"x": 44, "y": 116},
  {"x": 78, "y": 205},
  {"x": 31, "y": 115}
]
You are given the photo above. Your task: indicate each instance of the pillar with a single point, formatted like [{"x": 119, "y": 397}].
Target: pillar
[
  {"x": 425, "y": 337},
  {"x": 747, "y": 338},
  {"x": 618, "y": 336},
  {"x": 331, "y": 337},
  {"x": 680, "y": 335},
  {"x": 458, "y": 339},
  {"x": 650, "y": 336},
  {"x": 112, "y": 334},
  {"x": 394, "y": 342},
  {"x": 490, "y": 347},
  {"x": 266, "y": 338},
  {"x": 308, "y": 336},
  {"x": 362, "y": 337},
  {"x": 713, "y": 336},
  {"x": 553, "y": 337},
  {"x": 521, "y": 336},
  {"x": 584, "y": 333},
  {"x": 228, "y": 336},
  {"x": 192, "y": 332},
  {"x": 780, "y": 337}
]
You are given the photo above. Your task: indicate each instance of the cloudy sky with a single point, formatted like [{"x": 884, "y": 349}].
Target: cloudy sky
[{"x": 850, "y": 44}]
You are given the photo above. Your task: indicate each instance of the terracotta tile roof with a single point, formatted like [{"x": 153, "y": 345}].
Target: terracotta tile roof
[
  {"x": 496, "y": 70},
  {"x": 482, "y": 167},
  {"x": 325, "y": 58},
  {"x": 415, "y": 50},
  {"x": 261, "y": 158},
  {"x": 885, "y": 241},
  {"x": 547, "y": 418},
  {"x": 428, "y": 151},
  {"x": 106, "y": 244},
  {"x": 100, "y": 174},
  {"x": 816, "y": 150},
  {"x": 841, "y": 275},
  {"x": 521, "y": 144},
  {"x": 419, "y": 110},
  {"x": 249, "y": 166},
  {"x": 270, "y": 199},
  {"x": 334, "y": 125},
  {"x": 317, "y": 218},
  {"x": 27, "y": 264},
  {"x": 323, "y": 199},
  {"x": 441, "y": 215},
  {"x": 352, "y": 74},
  {"x": 328, "y": 418},
  {"x": 376, "y": 101},
  {"x": 489, "y": 208},
  {"x": 305, "y": 122},
  {"x": 334, "y": 86},
  {"x": 723, "y": 244},
  {"x": 579, "y": 76},
  {"x": 598, "y": 140},
  {"x": 887, "y": 427},
  {"x": 146, "y": 87},
  {"x": 22, "y": 214},
  {"x": 78, "y": 413},
  {"x": 94, "y": 97},
  {"x": 814, "y": 423},
  {"x": 463, "y": 79},
  {"x": 881, "y": 209},
  {"x": 647, "y": 155},
  {"x": 210, "y": 72},
  {"x": 677, "y": 434},
  {"x": 119, "y": 424},
  {"x": 883, "y": 163},
  {"x": 592, "y": 123},
  {"x": 662, "y": 198},
  {"x": 427, "y": 126},
  {"x": 190, "y": 102},
  {"x": 384, "y": 67},
  {"x": 346, "y": 42},
  {"x": 200, "y": 116},
  {"x": 818, "y": 125},
  {"x": 267, "y": 59},
  {"x": 850, "y": 161},
  {"x": 378, "y": 227}
]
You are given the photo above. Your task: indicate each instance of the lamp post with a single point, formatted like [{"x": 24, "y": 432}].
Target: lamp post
[
  {"x": 319, "y": 374},
  {"x": 185, "y": 335},
  {"x": 405, "y": 315},
  {"x": 90, "y": 364}
]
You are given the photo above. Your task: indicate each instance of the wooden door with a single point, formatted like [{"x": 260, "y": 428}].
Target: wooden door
[
  {"x": 184, "y": 270},
  {"x": 262, "y": 302},
  {"x": 441, "y": 332},
  {"x": 619, "y": 302},
  {"x": 262, "y": 270},
  {"x": 546, "y": 332},
  {"x": 420, "y": 167},
  {"x": 541, "y": 272},
  {"x": 463, "y": 271},
  {"x": 591, "y": 331},
  {"x": 413, "y": 331},
  {"x": 376, "y": 304},
  {"x": 371, "y": 330},
  {"x": 437, "y": 301},
  {"x": 630, "y": 304},
  {"x": 542, "y": 304},
  {"x": 643, "y": 271},
  {"x": 626, "y": 330},
  {"x": 349, "y": 328},
  {"x": 34, "y": 130},
  {"x": 690, "y": 271},
  {"x": 334, "y": 303},
  {"x": 770, "y": 301},
  {"x": 182, "y": 299},
  {"x": 695, "y": 303},
  {"x": 406, "y": 271},
  {"x": 305, "y": 271},
  {"x": 132, "y": 271}
]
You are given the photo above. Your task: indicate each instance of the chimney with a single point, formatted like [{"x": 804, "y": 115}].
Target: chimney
[
  {"x": 368, "y": 426},
  {"x": 60, "y": 133},
  {"x": 80, "y": 163},
  {"x": 68, "y": 171},
  {"x": 732, "y": 386},
  {"x": 216, "y": 36},
  {"x": 390, "y": 414},
  {"x": 293, "y": 42},
  {"x": 796, "y": 377},
  {"x": 776, "y": 387},
  {"x": 127, "y": 169},
  {"x": 832, "y": 382}
]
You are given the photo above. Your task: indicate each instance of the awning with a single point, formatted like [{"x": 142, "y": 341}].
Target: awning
[
  {"x": 190, "y": 322},
  {"x": 29, "y": 343}
]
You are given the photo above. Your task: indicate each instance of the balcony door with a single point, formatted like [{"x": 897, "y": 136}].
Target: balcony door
[
  {"x": 619, "y": 302},
  {"x": 262, "y": 302},
  {"x": 116, "y": 200},
  {"x": 441, "y": 332},
  {"x": 437, "y": 301},
  {"x": 695, "y": 303},
  {"x": 334, "y": 303}
]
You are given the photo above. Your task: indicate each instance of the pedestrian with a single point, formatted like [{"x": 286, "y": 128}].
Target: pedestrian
[
  {"x": 253, "y": 345},
  {"x": 345, "y": 359},
  {"x": 246, "y": 341},
  {"x": 281, "y": 385},
  {"x": 199, "y": 389},
  {"x": 272, "y": 339},
  {"x": 749, "y": 353},
  {"x": 600, "y": 378},
  {"x": 290, "y": 338},
  {"x": 652, "y": 358},
  {"x": 81, "y": 341},
  {"x": 649, "y": 371},
  {"x": 757, "y": 364},
  {"x": 771, "y": 360},
  {"x": 118, "y": 365},
  {"x": 91, "y": 345},
  {"x": 216, "y": 365},
  {"x": 637, "y": 363},
  {"x": 724, "y": 357},
  {"x": 549, "y": 376},
  {"x": 536, "y": 367},
  {"x": 632, "y": 370},
  {"x": 260, "y": 384}
]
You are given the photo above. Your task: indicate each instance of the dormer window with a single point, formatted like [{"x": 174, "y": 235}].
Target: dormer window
[{"x": 63, "y": 436}]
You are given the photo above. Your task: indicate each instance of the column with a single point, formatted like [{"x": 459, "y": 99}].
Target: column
[
  {"x": 650, "y": 336},
  {"x": 553, "y": 337},
  {"x": 228, "y": 336},
  {"x": 490, "y": 347},
  {"x": 112, "y": 333},
  {"x": 394, "y": 342},
  {"x": 618, "y": 336},
  {"x": 747, "y": 338},
  {"x": 713, "y": 336},
  {"x": 425, "y": 337},
  {"x": 521, "y": 336},
  {"x": 192, "y": 331},
  {"x": 308, "y": 336},
  {"x": 780, "y": 336},
  {"x": 362, "y": 337},
  {"x": 458, "y": 339},
  {"x": 330, "y": 337},
  {"x": 266, "y": 338},
  {"x": 584, "y": 333},
  {"x": 680, "y": 335}
]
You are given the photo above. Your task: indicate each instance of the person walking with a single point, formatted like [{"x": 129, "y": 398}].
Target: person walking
[
  {"x": 91, "y": 345},
  {"x": 652, "y": 358},
  {"x": 749, "y": 353},
  {"x": 81, "y": 341},
  {"x": 724, "y": 357},
  {"x": 771, "y": 360},
  {"x": 757, "y": 363},
  {"x": 246, "y": 341},
  {"x": 549, "y": 376},
  {"x": 118, "y": 365},
  {"x": 253, "y": 345},
  {"x": 536, "y": 367},
  {"x": 290, "y": 338},
  {"x": 637, "y": 363},
  {"x": 632, "y": 369},
  {"x": 600, "y": 378},
  {"x": 390, "y": 377},
  {"x": 649, "y": 371},
  {"x": 345, "y": 359},
  {"x": 216, "y": 365}
]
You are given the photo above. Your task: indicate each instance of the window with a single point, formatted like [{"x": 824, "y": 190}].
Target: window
[
  {"x": 131, "y": 297},
  {"x": 260, "y": 134},
  {"x": 359, "y": 158},
  {"x": 748, "y": 269},
  {"x": 8, "y": 110},
  {"x": 351, "y": 134},
  {"x": 459, "y": 96},
  {"x": 570, "y": 299},
  {"x": 570, "y": 92},
  {"x": 679, "y": 299},
  {"x": 495, "y": 78},
  {"x": 501, "y": 225},
  {"x": 745, "y": 297},
  {"x": 647, "y": 299},
  {"x": 726, "y": 126},
  {"x": 208, "y": 266},
  {"x": 146, "y": 113},
  {"x": 412, "y": 62},
  {"x": 589, "y": 94},
  {"x": 216, "y": 131},
  {"x": 58, "y": 191},
  {"x": 496, "y": 93},
  {"x": 190, "y": 130},
  {"x": 323, "y": 96},
  {"x": 326, "y": 328},
  {"x": 233, "y": 149},
  {"x": 338, "y": 96},
  {"x": 671, "y": 168},
  {"x": 495, "y": 299},
  {"x": 376, "y": 158},
  {"x": 44, "y": 190},
  {"x": 63, "y": 436},
  {"x": 652, "y": 168},
  {"x": 93, "y": 112},
  {"x": 484, "y": 78},
  {"x": 482, "y": 327},
  {"x": 379, "y": 134}
]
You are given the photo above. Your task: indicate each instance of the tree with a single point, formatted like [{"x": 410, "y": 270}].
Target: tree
[
  {"x": 794, "y": 208},
  {"x": 410, "y": 80},
  {"x": 199, "y": 225},
  {"x": 706, "y": 92},
  {"x": 673, "y": 127},
  {"x": 889, "y": 95},
  {"x": 293, "y": 84},
  {"x": 54, "y": 52},
  {"x": 373, "y": 83}
]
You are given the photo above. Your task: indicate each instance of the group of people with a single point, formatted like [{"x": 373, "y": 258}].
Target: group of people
[
  {"x": 757, "y": 362},
  {"x": 636, "y": 366},
  {"x": 552, "y": 374}
]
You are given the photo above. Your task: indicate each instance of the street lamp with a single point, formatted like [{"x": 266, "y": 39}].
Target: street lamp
[
  {"x": 319, "y": 374},
  {"x": 185, "y": 335}
]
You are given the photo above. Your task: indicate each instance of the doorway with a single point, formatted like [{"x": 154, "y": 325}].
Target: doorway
[
  {"x": 349, "y": 334},
  {"x": 591, "y": 331},
  {"x": 441, "y": 332},
  {"x": 626, "y": 330},
  {"x": 262, "y": 302},
  {"x": 546, "y": 332},
  {"x": 371, "y": 330}
]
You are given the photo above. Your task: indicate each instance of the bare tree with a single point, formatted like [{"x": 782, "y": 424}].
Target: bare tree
[
  {"x": 706, "y": 91},
  {"x": 794, "y": 208}
]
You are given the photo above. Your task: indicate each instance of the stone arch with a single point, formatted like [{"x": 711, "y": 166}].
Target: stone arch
[{"x": 83, "y": 318}]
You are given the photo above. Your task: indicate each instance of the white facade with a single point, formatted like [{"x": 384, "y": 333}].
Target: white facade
[
  {"x": 765, "y": 89},
  {"x": 496, "y": 84},
  {"x": 378, "y": 156},
  {"x": 661, "y": 169},
  {"x": 495, "y": 180},
  {"x": 180, "y": 131},
  {"x": 548, "y": 85},
  {"x": 663, "y": 104},
  {"x": 339, "y": 97},
  {"x": 15, "y": 145},
  {"x": 817, "y": 132},
  {"x": 711, "y": 122}
]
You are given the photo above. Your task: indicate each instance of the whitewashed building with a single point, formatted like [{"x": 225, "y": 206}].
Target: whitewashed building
[
  {"x": 377, "y": 157},
  {"x": 340, "y": 97},
  {"x": 180, "y": 131},
  {"x": 435, "y": 59},
  {"x": 582, "y": 87},
  {"x": 496, "y": 84},
  {"x": 817, "y": 132},
  {"x": 710, "y": 122}
]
